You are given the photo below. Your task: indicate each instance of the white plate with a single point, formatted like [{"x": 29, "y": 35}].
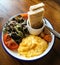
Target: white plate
[{"x": 15, "y": 54}]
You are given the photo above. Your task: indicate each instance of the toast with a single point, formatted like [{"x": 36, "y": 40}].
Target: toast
[
  {"x": 35, "y": 7},
  {"x": 35, "y": 18},
  {"x": 35, "y": 15}
]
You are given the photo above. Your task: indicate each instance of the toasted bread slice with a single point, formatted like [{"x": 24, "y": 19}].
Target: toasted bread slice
[
  {"x": 35, "y": 7},
  {"x": 35, "y": 17}
]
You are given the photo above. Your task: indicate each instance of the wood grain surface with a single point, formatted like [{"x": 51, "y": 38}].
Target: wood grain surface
[{"x": 9, "y": 8}]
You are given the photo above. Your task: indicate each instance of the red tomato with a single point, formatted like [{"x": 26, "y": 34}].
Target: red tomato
[
  {"x": 6, "y": 37},
  {"x": 25, "y": 15},
  {"x": 9, "y": 42}
]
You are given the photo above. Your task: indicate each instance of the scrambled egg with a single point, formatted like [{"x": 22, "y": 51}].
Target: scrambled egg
[{"x": 32, "y": 46}]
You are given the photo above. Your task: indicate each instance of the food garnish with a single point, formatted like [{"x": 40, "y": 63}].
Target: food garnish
[{"x": 16, "y": 28}]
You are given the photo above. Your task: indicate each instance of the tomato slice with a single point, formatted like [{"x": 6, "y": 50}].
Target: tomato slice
[
  {"x": 9, "y": 42},
  {"x": 6, "y": 37},
  {"x": 24, "y": 15}
]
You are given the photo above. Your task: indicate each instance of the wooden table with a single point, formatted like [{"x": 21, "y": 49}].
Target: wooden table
[{"x": 9, "y": 8}]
